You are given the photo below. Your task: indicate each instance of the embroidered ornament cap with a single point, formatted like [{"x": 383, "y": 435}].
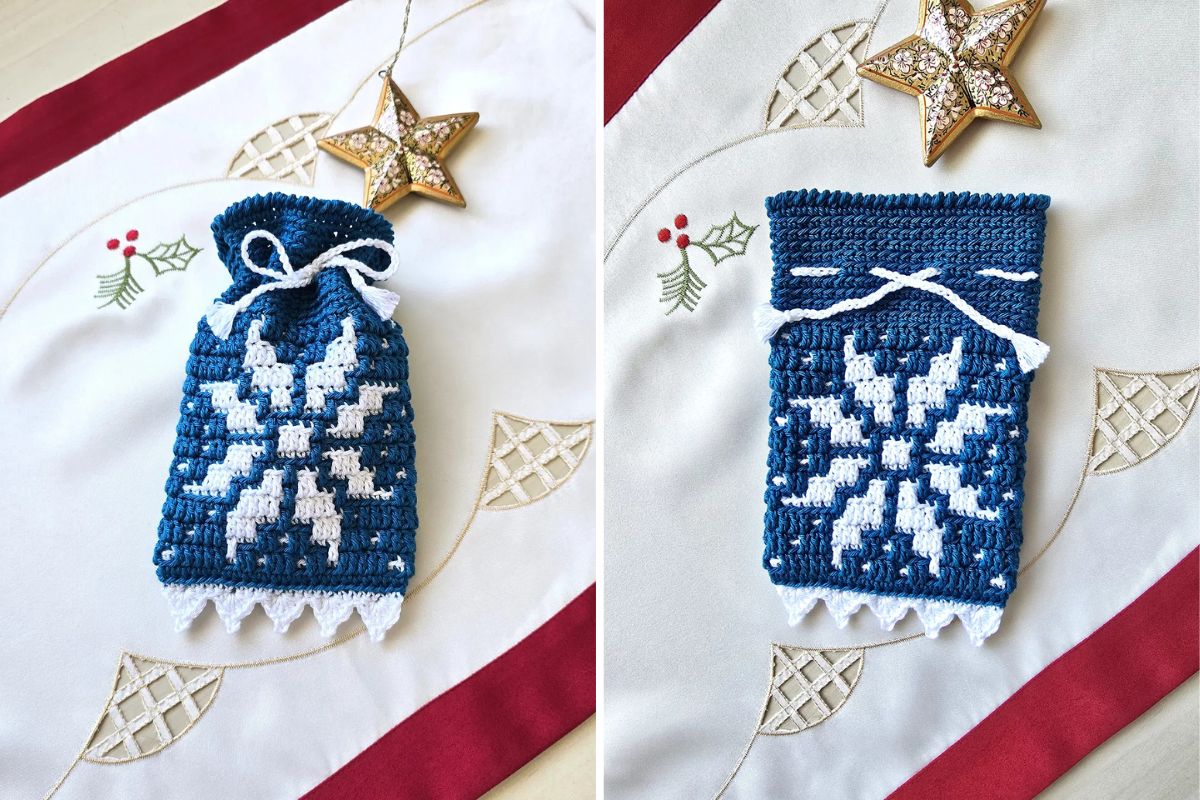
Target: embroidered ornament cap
[
  {"x": 292, "y": 482},
  {"x": 902, "y": 332}
]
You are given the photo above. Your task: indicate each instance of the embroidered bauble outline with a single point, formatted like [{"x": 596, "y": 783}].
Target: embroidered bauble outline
[
  {"x": 825, "y": 70},
  {"x": 1085, "y": 471},
  {"x": 1138, "y": 414},
  {"x": 285, "y": 150}
]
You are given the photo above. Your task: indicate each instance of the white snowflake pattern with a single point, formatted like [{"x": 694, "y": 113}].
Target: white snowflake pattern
[
  {"x": 879, "y": 395},
  {"x": 259, "y": 505}
]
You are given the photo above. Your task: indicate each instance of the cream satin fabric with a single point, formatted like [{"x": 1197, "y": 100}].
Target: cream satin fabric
[
  {"x": 687, "y": 395},
  {"x": 497, "y": 305}
]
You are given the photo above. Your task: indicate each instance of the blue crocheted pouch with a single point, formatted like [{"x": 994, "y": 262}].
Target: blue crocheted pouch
[
  {"x": 292, "y": 482},
  {"x": 902, "y": 333}
]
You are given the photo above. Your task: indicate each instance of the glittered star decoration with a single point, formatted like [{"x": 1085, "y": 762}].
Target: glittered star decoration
[
  {"x": 957, "y": 66},
  {"x": 400, "y": 152}
]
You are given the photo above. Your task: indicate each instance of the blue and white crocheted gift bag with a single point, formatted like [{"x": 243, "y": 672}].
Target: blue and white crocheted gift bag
[
  {"x": 293, "y": 482},
  {"x": 902, "y": 348}
]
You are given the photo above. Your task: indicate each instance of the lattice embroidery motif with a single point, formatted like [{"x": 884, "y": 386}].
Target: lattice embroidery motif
[
  {"x": 152, "y": 704},
  {"x": 1137, "y": 414},
  {"x": 807, "y": 687},
  {"x": 821, "y": 86},
  {"x": 283, "y": 151},
  {"x": 530, "y": 459}
]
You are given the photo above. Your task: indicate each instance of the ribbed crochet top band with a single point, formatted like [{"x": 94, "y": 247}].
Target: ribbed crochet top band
[
  {"x": 816, "y": 198},
  {"x": 829, "y": 247},
  {"x": 307, "y": 227}
]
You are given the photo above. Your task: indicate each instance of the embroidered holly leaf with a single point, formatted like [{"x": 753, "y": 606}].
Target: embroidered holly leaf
[
  {"x": 725, "y": 241},
  {"x": 119, "y": 288},
  {"x": 170, "y": 256},
  {"x": 681, "y": 286}
]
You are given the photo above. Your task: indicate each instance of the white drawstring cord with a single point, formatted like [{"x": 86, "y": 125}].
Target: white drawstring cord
[
  {"x": 1031, "y": 352},
  {"x": 220, "y": 315}
]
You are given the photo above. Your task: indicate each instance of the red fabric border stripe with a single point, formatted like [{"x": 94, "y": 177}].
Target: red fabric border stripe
[
  {"x": 59, "y": 126},
  {"x": 637, "y": 37},
  {"x": 1074, "y": 705},
  {"x": 476, "y": 734}
]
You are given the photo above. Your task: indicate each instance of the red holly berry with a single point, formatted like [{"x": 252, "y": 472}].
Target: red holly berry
[
  {"x": 129, "y": 251},
  {"x": 131, "y": 236},
  {"x": 664, "y": 235},
  {"x": 682, "y": 241},
  {"x": 681, "y": 221},
  {"x": 113, "y": 244}
]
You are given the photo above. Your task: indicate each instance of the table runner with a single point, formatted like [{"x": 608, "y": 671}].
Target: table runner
[
  {"x": 760, "y": 98},
  {"x": 90, "y": 397}
]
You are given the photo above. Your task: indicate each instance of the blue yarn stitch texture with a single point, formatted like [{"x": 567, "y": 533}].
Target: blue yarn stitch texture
[
  {"x": 300, "y": 324},
  {"x": 958, "y": 234}
]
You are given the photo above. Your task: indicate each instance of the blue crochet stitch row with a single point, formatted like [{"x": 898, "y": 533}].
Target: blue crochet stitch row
[
  {"x": 898, "y": 424},
  {"x": 293, "y": 466}
]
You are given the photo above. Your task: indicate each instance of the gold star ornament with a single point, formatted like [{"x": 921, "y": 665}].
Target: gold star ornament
[
  {"x": 957, "y": 66},
  {"x": 401, "y": 152}
]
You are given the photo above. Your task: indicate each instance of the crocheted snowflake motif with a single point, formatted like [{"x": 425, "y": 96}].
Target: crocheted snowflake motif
[
  {"x": 291, "y": 430},
  {"x": 892, "y": 454}
]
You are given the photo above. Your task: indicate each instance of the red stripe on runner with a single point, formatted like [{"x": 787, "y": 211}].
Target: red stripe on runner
[
  {"x": 1077, "y": 702},
  {"x": 476, "y": 734},
  {"x": 637, "y": 37},
  {"x": 64, "y": 123}
]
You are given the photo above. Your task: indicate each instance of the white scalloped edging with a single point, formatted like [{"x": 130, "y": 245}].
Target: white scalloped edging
[
  {"x": 980, "y": 621},
  {"x": 378, "y": 611}
]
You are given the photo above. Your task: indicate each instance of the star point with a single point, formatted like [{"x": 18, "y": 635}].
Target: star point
[
  {"x": 401, "y": 152},
  {"x": 957, "y": 66}
]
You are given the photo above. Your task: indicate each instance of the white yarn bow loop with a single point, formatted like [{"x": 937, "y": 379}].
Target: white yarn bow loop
[
  {"x": 1031, "y": 352},
  {"x": 220, "y": 315}
]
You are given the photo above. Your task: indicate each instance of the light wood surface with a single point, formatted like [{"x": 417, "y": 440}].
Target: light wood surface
[{"x": 47, "y": 43}]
